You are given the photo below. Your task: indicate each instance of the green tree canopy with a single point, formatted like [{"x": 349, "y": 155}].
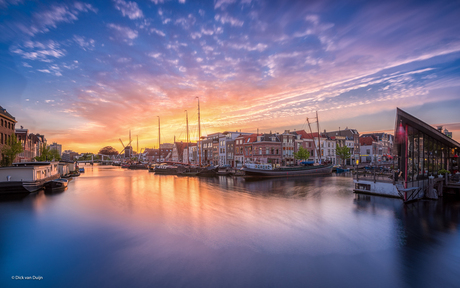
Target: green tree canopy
[
  {"x": 302, "y": 154},
  {"x": 11, "y": 150},
  {"x": 343, "y": 153}
]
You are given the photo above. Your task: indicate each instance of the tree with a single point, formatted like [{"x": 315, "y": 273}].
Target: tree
[
  {"x": 108, "y": 150},
  {"x": 343, "y": 153},
  {"x": 11, "y": 150},
  {"x": 54, "y": 154},
  {"x": 45, "y": 153},
  {"x": 302, "y": 154}
]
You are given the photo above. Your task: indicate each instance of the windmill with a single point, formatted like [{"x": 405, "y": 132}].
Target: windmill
[{"x": 127, "y": 150}]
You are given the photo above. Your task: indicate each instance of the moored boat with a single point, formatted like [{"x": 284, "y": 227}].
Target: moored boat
[
  {"x": 165, "y": 169},
  {"x": 340, "y": 170},
  {"x": 27, "y": 177},
  {"x": 209, "y": 171},
  {"x": 224, "y": 170},
  {"x": 138, "y": 166},
  {"x": 57, "y": 185},
  {"x": 260, "y": 170}
]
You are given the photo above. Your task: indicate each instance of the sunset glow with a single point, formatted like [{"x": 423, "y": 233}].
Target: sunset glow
[{"x": 85, "y": 73}]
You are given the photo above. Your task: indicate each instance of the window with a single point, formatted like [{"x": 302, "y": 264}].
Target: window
[
  {"x": 368, "y": 151},
  {"x": 267, "y": 151}
]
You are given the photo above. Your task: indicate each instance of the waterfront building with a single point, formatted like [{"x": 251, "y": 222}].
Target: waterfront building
[
  {"x": 384, "y": 145},
  {"x": 37, "y": 141},
  {"x": 190, "y": 153},
  {"x": 206, "y": 150},
  {"x": 7, "y": 128},
  {"x": 287, "y": 147},
  {"x": 304, "y": 140},
  {"x": 57, "y": 147},
  {"x": 368, "y": 146},
  {"x": 229, "y": 152},
  {"x": 227, "y": 146},
  {"x": 422, "y": 151},
  {"x": 265, "y": 148},
  {"x": 350, "y": 135},
  {"x": 69, "y": 155},
  {"x": 239, "y": 149},
  {"x": 26, "y": 142}
]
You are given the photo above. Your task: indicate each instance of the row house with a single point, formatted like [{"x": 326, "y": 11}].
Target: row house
[
  {"x": 384, "y": 146},
  {"x": 258, "y": 148},
  {"x": 7, "y": 128},
  {"x": 31, "y": 144},
  {"x": 287, "y": 140},
  {"x": 190, "y": 154},
  {"x": 206, "y": 151},
  {"x": 316, "y": 143},
  {"x": 350, "y": 135},
  {"x": 369, "y": 149},
  {"x": 178, "y": 152},
  {"x": 159, "y": 155},
  {"x": 227, "y": 147},
  {"x": 239, "y": 149}
]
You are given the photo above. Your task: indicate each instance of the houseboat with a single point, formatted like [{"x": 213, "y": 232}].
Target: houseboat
[{"x": 27, "y": 177}]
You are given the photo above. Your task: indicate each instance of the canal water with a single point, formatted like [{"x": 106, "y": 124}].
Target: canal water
[{"x": 120, "y": 228}]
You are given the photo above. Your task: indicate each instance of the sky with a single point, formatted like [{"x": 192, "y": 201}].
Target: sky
[{"x": 85, "y": 73}]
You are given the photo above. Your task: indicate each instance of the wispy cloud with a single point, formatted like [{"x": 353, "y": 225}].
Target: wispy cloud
[
  {"x": 129, "y": 9},
  {"x": 125, "y": 33},
  {"x": 83, "y": 42},
  {"x": 228, "y": 19},
  {"x": 46, "y": 19},
  {"x": 34, "y": 50}
]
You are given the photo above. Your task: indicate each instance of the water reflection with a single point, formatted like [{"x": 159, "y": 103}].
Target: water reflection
[{"x": 119, "y": 227}]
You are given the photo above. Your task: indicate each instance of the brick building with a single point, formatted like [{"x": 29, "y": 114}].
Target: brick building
[{"x": 7, "y": 128}]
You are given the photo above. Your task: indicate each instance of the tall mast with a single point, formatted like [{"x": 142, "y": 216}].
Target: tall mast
[
  {"x": 314, "y": 142},
  {"x": 137, "y": 148},
  {"x": 188, "y": 139},
  {"x": 159, "y": 142},
  {"x": 319, "y": 136},
  {"x": 199, "y": 132},
  {"x": 131, "y": 146}
]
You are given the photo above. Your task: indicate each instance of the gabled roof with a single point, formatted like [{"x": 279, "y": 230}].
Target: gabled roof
[
  {"x": 425, "y": 128},
  {"x": 366, "y": 141},
  {"x": 6, "y": 114}
]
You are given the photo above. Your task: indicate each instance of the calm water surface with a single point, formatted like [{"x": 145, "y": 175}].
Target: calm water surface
[{"x": 119, "y": 228}]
